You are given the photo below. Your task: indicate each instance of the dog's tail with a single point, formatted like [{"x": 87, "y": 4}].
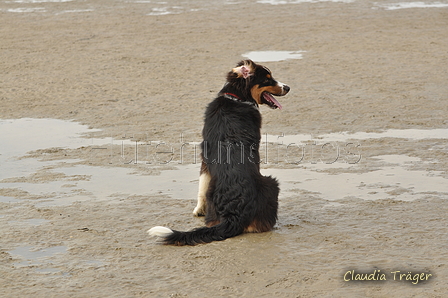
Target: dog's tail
[{"x": 225, "y": 229}]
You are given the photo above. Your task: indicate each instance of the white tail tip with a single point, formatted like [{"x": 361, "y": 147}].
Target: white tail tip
[{"x": 160, "y": 231}]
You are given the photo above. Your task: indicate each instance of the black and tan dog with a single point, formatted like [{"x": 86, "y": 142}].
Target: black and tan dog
[{"x": 233, "y": 195}]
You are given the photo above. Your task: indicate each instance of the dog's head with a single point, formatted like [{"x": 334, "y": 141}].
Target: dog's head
[{"x": 257, "y": 83}]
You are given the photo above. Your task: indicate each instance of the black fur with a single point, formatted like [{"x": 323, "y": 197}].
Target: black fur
[{"x": 239, "y": 198}]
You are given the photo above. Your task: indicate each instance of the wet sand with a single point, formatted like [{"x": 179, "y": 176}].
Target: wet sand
[{"x": 73, "y": 219}]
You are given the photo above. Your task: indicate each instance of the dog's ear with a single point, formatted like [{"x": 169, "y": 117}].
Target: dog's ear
[{"x": 243, "y": 71}]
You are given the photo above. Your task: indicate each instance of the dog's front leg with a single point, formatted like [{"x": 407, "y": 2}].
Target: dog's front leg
[{"x": 204, "y": 181}]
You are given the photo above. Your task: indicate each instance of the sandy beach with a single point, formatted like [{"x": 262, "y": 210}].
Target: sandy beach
[{"x": 102, "y": 104}]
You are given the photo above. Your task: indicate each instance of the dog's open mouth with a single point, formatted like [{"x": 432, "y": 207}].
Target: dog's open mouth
[{"x": 270, "y": 101}]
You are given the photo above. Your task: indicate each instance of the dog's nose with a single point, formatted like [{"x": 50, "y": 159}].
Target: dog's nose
[{"x": 286, "y": 88}]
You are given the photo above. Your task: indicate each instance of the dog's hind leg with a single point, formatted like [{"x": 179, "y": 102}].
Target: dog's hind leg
[
  {"x": 266, "y": 215},
  {"x": 204, "y": 181}
]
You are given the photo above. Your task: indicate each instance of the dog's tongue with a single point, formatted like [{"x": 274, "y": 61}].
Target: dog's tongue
[{"x": 272, "y": 99}]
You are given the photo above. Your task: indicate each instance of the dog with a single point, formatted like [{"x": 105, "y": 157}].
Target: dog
[{"x": 233, "y": 195}]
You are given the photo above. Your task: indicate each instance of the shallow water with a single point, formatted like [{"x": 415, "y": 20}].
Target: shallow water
[
  {"x": 37, "y": 257},
  {"x": 169, "y": 7},
  {"x": 392, "y": 180},
  {"x": 411, "y": 134},
  {"x": 273, "y": 56},
  {"x": 407, "y": 5},
  {"x": 31, "y": 222},
  {"x": 316, "y": 171},
  {"x": 149, "y": 8},
  {"x": 20, "y": 136},
  {"x": 5, "y": 199}
]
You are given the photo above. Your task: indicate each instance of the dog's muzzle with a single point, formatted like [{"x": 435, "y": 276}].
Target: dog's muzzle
[{"x": 285, "y": 88}]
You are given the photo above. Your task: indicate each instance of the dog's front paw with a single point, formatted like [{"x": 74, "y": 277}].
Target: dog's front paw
[{"x": 198, "y": 211}]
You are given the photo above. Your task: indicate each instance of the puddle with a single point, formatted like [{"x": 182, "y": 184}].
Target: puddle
[
  {"x": 161, "y": 11},
  {"x": 75, "y": 11},
  {"x": 411, "y": 134},
  {"x": 27, "y": 10},
  {"x": 4, "y": 199},
  {"x": 116, "y": 183},
  {"x": 19, "y": 136},
  {"x": 23, "y": 135},
  {"x": 33, "y": 257},
  {"x": 332, "y": 149},
  {"x": 32, "y": 222},
  {"x": 273, "y": 56},
  {"x": 169, "y": 7},
  {"x": 312, "y": 157},
  {"x": 393, "y": 180},
  {"x": 147, "y": 7},
  {"x": 108, "y": 183},
  {"x": 404, "y": 5}
]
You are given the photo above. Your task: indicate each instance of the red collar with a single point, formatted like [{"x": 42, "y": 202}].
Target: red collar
[
  {"x": 232, "y": 95},
  {"x": 236, "y": 98}
]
